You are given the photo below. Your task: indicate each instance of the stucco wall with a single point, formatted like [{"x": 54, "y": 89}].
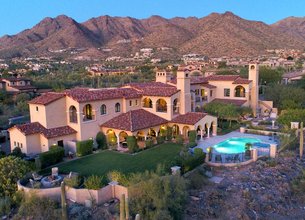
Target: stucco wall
[
  {"x": 56, "y": 114},
  {"x": 38, "y": 114}
]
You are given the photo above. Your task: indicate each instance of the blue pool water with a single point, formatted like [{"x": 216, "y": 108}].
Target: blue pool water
[{"x": 236, "y": 145}]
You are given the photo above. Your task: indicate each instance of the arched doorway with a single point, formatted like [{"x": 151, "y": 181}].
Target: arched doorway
[
  {"x": 185, "y": 131},
  {"x": 199, "y": 132},
  {"x": 122, "y": 139},
  {"x": 147, "y": 103},
  {"x": 240, "y": 91},
  {"x": 141, "y": 139},
  {"x": 175, "y": 106},
  {"x": 72, "y": 114},
  {"x": 176, "y": 130},
  {"x": 112, "y": 139},
  {"x": 87, "y": 113}
]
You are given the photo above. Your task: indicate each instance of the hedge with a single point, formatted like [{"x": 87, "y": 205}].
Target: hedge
[
  {"x": 160, "y": 139},
  {"x": 132, "y": 144},
  {"x": 84, "y": 148},
  {"x": 179, "y": 139},
  {"x": 53, "y": 156},
  {"x": 191, "y": 144},
  {"x": 192, "y": 135},
  {"x": 149, "y": 143},
  {"x": 101, "y": 140},
  {"x": 169, "y": 133}
]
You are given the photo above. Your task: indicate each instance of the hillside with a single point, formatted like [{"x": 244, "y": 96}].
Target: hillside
[{"x": 214, "y": 35}]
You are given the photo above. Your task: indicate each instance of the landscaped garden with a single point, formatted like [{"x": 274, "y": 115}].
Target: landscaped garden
[{"x": 106, "y": 161}]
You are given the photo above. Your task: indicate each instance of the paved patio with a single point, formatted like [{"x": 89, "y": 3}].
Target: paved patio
[{"x": 209, "y": 142}]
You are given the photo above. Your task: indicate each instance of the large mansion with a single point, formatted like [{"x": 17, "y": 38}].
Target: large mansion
[{"x": 139, "y": 109}]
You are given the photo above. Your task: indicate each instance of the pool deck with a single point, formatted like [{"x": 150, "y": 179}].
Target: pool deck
[{"x": 209, "y": 142}]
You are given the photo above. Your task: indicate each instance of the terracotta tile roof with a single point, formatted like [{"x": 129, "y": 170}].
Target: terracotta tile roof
[
  {"x": 37, "y": 128},
  {"x": 242, "y": 81},
  {"x": 154, "y": 89},
  {"x": 209, "y": 86},
  {"x": 57, "y": 132},
  {"x": 236, "y": 102},
  {"x": 222, "y": 77},
  {"x": 189, "y": 118},
  {"x": 194, "y": 80},
  {"x": 87, "y": 95},
  {"x": 15, "y": 79},
  {"x": 46, "y": 98},
  {"x": 135, "y": 120}
]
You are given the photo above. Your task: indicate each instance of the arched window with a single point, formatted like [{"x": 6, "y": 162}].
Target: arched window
[
  {"x": 103, "y": 110},
  {"x": 147, "y": 103},
  {"x": 240, "y": 91},
  {"x": 72, "y": 114},
  {"x": 175, "y": 106},
  {"x": 87, "y": 112},
  {"x": 161, "y": 105},
  {"x": 117, "y": 107}
]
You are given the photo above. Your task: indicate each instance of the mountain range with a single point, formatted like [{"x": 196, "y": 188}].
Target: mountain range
[{"x": 213, "y": 35}]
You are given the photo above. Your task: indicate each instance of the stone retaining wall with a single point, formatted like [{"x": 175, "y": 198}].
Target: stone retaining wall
[{"x": 79, "y": 195}]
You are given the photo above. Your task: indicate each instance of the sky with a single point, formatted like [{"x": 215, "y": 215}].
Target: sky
[{"x": 17, "y": 15}]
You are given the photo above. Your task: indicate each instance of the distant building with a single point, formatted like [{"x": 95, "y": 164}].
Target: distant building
[{"x": 17, "y": 85}]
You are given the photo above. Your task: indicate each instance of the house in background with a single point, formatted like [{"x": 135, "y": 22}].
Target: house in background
[{"x": 17, "y": 85}]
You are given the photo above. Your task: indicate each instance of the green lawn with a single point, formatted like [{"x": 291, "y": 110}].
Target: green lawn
[{"x": 102, "y": 163}]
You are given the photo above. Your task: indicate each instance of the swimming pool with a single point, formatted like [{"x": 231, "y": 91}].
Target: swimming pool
[{"x": 236, "y": 145}]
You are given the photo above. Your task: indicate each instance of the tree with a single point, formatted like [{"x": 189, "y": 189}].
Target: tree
[
  {"x": 291, "y": 115},
  {"x": 12, "y": 169},
  {"x": 268, "y": 75},
  {"x": 101, "y": 140}
]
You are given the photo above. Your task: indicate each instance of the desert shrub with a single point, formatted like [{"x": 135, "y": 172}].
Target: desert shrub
[
  {"x": 298, "y": 185},
  {"x": 132, "y": 144},
  {"x": 179, "y": 139},
  {"x": 160, "y": 139},
  {"x": 192, "y": 135},
  {"x": 5, "y": 206},
  {"x": 156, "y": 197},
  {"x": 84, "y": 148},
  {"x": 34, "y": 207},
  {"x": 188, "y": 162},
  {"x": 197, "y": 180},
  {"x": 149, "y": 143},
  {"x": 17, "y": 152},
  {"x": 93, "y": 182},
  {"x": 53, "y": 156},
  {"x": 2, "y": 154},
  {"x": 117, "y": 176},
  {"x": 74, "y": 181},
  {"x": 101, "y": 140}
]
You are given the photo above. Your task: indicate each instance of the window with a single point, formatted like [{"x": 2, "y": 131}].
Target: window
[
  {"x": 227, "y": 92},
  {"x": 130, "y": 102},
  {"x": 147, "y": 103},
  {"x": 196, "y": 91},
  {"x": 72, "y": 114},
  {"x": 87, "y": 113},
  {"x": 211, "y": 93},
  {"x": 36, "y": 108},
  {"x": 136, "y": 102},
  {"x": 20, "y": 145},
  {"x": 103, "y": 110},
  {"x": 202, "y": 92},
  {"x": 161, "y": 105},
  {"x": 175, "y": 106},
  {"x": 117, "y": 107},
  {"x": 15, "y": 144}
]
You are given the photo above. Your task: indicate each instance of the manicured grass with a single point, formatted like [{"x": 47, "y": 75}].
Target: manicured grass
[{"x": 106, "y": 161}]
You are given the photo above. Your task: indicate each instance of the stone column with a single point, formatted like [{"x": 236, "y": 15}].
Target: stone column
[
  {"x": 118, "y": 139},
  {"x": 208, "y": 132},
  {"x": 254, "y": 154},
  {"x": 214, "y": 129},
  {"x": 273, "y": 150},
  {"x": 201, "y": 134}
]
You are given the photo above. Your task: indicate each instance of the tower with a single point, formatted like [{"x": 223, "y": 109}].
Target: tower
[
  {"x": 253, "y": 75},
  {"x": 184, "y": 85}
]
